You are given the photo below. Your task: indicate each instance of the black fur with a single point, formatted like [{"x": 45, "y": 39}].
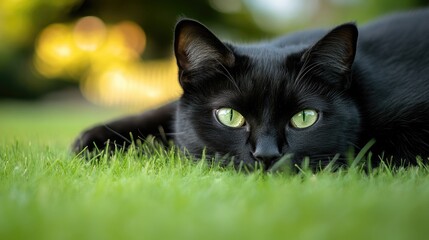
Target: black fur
[{"x": 375, "y": 86}]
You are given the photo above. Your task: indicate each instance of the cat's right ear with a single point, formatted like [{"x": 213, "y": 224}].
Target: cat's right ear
[{"x": 196, "y": 46}]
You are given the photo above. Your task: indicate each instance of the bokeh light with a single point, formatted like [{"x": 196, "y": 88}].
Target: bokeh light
[
  {"x": 105, "y": 59},
  {"x": 146, "y": 83},
  {"x": 135, "y": 37},
  {"x": 56, "y": 54},
  {"x": 89, "y": 33}
]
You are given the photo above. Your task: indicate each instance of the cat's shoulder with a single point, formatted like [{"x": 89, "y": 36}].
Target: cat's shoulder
[
  {"x": 398, "y": 20},
  {"x": 394, "y": 22}
]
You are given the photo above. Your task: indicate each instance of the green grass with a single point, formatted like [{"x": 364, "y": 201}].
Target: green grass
[{"x": 47, "y": 193}]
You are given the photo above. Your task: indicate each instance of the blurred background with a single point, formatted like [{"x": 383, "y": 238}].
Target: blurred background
[{"x": 119, "y": 53}]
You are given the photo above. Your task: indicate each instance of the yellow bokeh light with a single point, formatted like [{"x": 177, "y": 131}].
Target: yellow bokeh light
[
  {"x": 115, "y": 48},
  {"x": 54, "y": 43},
  {"x": 89, "y": 33},
  {"x": 134, "y": 37},
  {"x": 141, "y": 84},
  {"x": 55, "y": 49},
  {"x": 106, "y": 61}
]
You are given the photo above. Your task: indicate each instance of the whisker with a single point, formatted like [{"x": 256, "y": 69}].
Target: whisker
[
  {"x": 174, "y": 133},
  {"x": 141, "y": 134},
  {"x": 118, "y": 134}
]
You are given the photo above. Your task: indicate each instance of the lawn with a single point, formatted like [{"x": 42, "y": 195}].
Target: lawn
[{"x": 47, "y": 193}]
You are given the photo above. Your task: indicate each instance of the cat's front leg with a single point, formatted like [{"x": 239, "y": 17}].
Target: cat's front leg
[{"x": 157, "y": 122}]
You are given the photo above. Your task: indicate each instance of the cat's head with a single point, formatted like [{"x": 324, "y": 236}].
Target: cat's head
[{"x": 265, "y": 102}]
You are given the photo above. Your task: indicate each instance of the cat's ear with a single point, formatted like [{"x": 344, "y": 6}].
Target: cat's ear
[
  {"x": 334, "y": 53},
  {"x": 195, "y": 45}
]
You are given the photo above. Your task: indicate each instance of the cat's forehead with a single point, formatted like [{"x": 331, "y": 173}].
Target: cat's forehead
[
  {"x": 264, "y": 59},
  {"x": 267, "y": 51},
  {"x": 260, "y": 64},
  {"x": 264, "y": 77},
  {"x": 261, "y": 75}
]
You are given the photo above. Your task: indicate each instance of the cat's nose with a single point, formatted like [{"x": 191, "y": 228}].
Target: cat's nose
[
  {"x": 266, "y": 150},
  {"x": 267, "y": 157}
]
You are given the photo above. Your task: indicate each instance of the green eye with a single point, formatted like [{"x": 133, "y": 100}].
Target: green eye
[
  {"x": 230, "y": 118},
  {"x": 304, "y": 119}
]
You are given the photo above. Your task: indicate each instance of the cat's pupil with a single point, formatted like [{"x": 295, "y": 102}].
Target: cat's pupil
[{"x": 231, "y": 114}]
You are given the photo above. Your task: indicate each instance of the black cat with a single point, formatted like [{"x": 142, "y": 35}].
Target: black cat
[{"x": 312, "y": 94}]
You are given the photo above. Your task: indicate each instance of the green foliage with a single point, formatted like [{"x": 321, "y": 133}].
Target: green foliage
[{"x": 47, "y": 193}]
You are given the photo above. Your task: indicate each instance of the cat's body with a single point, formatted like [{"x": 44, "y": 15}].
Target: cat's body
[{"x": 310, "y": 94}]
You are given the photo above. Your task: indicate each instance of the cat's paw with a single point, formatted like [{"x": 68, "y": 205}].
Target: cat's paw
[{"x": 91, "y": 139}]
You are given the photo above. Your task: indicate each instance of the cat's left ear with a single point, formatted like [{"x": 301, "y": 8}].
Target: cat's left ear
[
  {"x": 196, "y": 46},
  {"x": 334, "y": 53}
]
